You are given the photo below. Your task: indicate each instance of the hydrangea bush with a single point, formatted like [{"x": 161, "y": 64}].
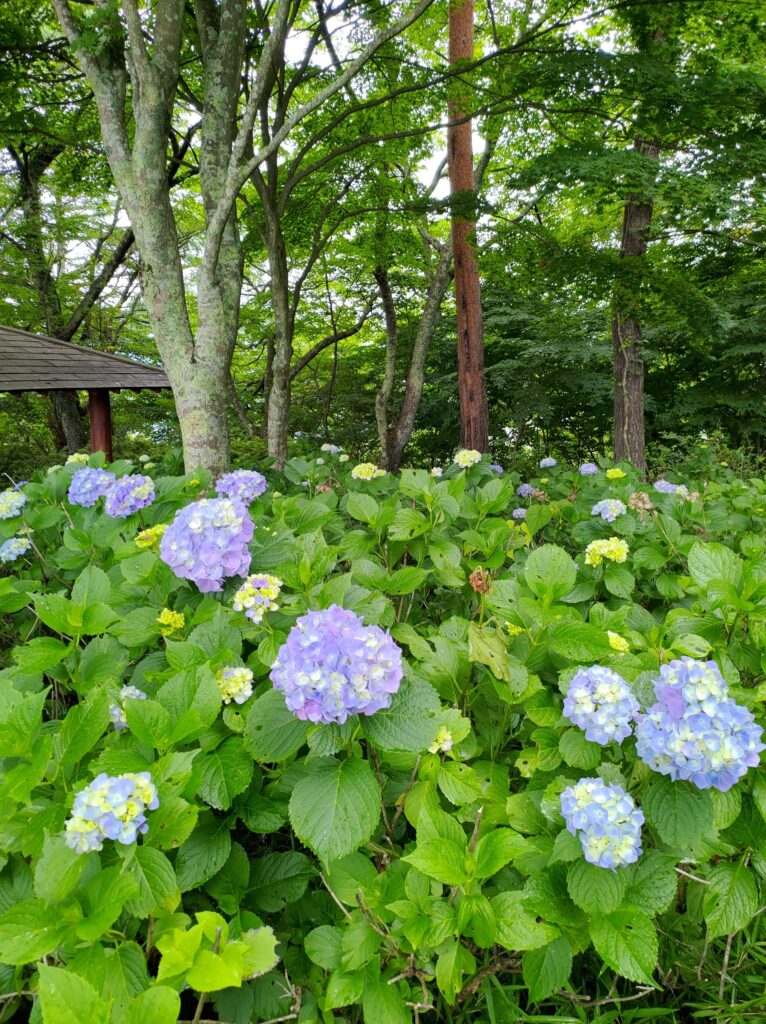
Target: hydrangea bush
[{"x": 377, "y": 748}]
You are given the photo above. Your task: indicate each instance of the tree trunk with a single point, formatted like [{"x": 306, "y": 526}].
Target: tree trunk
[
  {"x": 278, "y": 403},
  {"x": 383, "y": 397},
  {"x": 627, "y": 338},
  {"x": 474, "y": 417}
]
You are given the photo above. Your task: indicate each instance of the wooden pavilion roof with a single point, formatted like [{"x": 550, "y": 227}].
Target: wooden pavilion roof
[{"x": 33, "y": 362}]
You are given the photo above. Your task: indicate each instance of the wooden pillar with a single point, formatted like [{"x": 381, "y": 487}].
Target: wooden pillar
[{"x": 100, "y": 414}]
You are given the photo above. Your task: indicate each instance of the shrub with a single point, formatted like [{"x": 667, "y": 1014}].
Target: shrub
[{"x": 176, "y": 839}]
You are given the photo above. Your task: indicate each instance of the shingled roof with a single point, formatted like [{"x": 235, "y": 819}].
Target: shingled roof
[{"x": 32, "y": 362}]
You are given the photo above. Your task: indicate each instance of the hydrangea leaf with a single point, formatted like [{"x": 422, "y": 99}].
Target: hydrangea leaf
[
  {"x": 550, "y": 572},
  {"x": 518, "y": 928},
  {"x": 680, "y": 812},
  {"x": 627, "y": 942},
  {"x": 336, "y": 808},
  {"x": 273, "y": 733},
  {"x": 66, "y": 998},
  {"x": 596, "y": 890},
  {"x": 731, "y": 899},
  {"x": 411, "y": 721},
  {"x": 224, "y": 773},
  {"x": 547, "y": 968}
]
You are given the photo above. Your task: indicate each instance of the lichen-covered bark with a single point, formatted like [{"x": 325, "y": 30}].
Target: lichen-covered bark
[{"x": 383, "y": 397}]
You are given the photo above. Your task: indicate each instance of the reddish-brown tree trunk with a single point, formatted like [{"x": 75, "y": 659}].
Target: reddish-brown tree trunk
[
  {"x": 474, "y": 417},
  {"x": 627, "y": 337}
]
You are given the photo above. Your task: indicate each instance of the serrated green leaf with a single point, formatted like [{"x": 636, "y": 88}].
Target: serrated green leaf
[
  {"x": 627, "y": 942},
  {"x": 336, "y": 808}
]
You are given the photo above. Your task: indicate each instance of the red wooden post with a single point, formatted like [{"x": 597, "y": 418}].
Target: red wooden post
[{"x": 100, "y": 414}]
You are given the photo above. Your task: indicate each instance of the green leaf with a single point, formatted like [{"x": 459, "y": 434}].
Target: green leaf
[
  {"x": 92, "y": 586},
  {"x": 579, "y": 642},
  {"x": 652, "y": 883},
  {"x": 157, "y": 885},
  {"x": 194, "y": 701},
  {"x": 518, "y": 928},
  {"x": 453, "y": 963},
  {"x": 273, "y": 732},
  {"x": 619, "y": 581},
  {"x": 29, "y": 931},
  {"x": 83, "y": 726},
  {"x": 203, "y": 854},
  {"x": 550, "y": 572},
  {"x": 343, "y": 989},
  {"x": 383, "y": 1002},
  {"x": 731, "y": 899},
  {"x": 441, "y": 859},
  {"x": 406, "y": 580},
  {"x": 150, "y": 722},
  {"x": 40, "y": 654},
  {"x": 336, "y": 808},
  {"x": 410, "y": 723},
  {"x": 279, "y": 878},
  {"x": 362, "y": 506},
  {"x": 58, "y": 870},
  {"x": 680, "y": 812},
  {"x": 159, "y": 1004},
  {"x": 408, "y": 523},
  {"x": 66, "y": 998},
  {"x": 224, "y": 773},
  {"x": 546, "y": 969},
  {"x": 709, "y": 562},
  {"x": 627, "y": 942},
  {"x": 323, "y": 946},
  {"x": 495, "y": 849},
  {"x": 577, "y": 751},
  {"x": 597, "y": 890},
  {"x": 171, "y": 823}
]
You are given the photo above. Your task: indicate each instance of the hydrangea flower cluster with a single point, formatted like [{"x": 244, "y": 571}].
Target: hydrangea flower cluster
[
  {"x": 436, "y": 471},
  {"x": 207, "y": 541},
  {"x": 111, "y": 807},
  {"x": 11, "y": 503},
  {"x": 614, "y": 549},
  {"x": 235, "y": 684},
  {"x": 129, "y": 494},
  {"x": 696, "y": 731},
  {"x": 343, "y": 457},
  {"x": 117, "y": 711},
  {"x": 243, "y": 485},
  {"x": 525, "y": 490},
  {"x": 333, "y": 449},
  {"x": 79, "y": 458},
  {"x": 151, "y": 537},
  {"x": 666, "y": 487},
  {"x": 609, "y": 509},
  {"x": 467, "y": 457},
  {"x": 170, "y": 622},
  {"x": 548, "y": 462},
  {"x": 442, "y": 742},
  {"x": 617, "y": 643},
  {"x": 519, "y": 513},
  {"x": 588, "y": 469},
  {"x": 332, "y": 666},
  {"x": 601, "y": 703},
  {"x": 14, "y": 548},
  {"x": 367, "y": 471},
  {"x": 88, "y": 485},
  {"x": 257, "y": 595},
  {"x": 496, "y": 468},
  {"x": 607, "y": 821},
  {"x": 615, "y": 473}
]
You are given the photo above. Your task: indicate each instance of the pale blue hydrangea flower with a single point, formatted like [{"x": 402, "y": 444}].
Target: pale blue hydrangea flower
[
  {"x": 11, "y": 503},
  {"x": 14, "y": 548},
  {"x": 129, "y": 494},
  {"x": 333, "y": 449},
  {"x": 117, "y": 711},
  {"x": 207, "y": 542},
  {"x": 496, "y": 468},
  {"x": 548, "y": 462},
  {"x": 519, "y": 513},
  {"x": 243, "y": 485},
  {"x": 332, "y": 666},
  {"x": 601, "y": 703},
  {"x": 607, "y": 821},
  {"x": 588, "y": 469},
  {"x": 88, "y": 485},
  {"x": 111, "y": 807},
  {"x": 696, "y": 731},
  {"x": 525, "y": 490},
  {"x": 257, "y": 595},
  {"x": 609, "y": 509}
]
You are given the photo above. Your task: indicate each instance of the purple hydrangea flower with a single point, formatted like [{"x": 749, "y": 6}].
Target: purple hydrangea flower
[
  {"x": 696, "y": 731},
  {"x": 129, "y": 494},
  {"x": 519, "y": 513},
  {"x": 332, "y": 666},
  {"x": 111, "y": 807},
  {"x": 588, "y": 469},
  {"x": 207, "y": 542},
  {"x": 601, "y": 703},
  {"x": 666, "y": 487},
  {"x": 497, "y": 468},
  {"x": 548, "y": 462},
  {"x": 525, "y": 490},
  {"x": 607, "y": 820},
  {"x": 243, "y": 485},
  {"x": 609, "y": 509},
  {"x": 88, "y": 485},
  {"x": 14, "y": 548}
]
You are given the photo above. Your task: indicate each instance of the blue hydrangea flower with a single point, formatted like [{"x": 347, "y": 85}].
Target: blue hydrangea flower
[
  {"x": 609, "y": 509},
  {"x": 332, "y": 666},
  {"x": 547, "y": 462},
  {"x": 111, "y": 807},
  {"x": 129, "y": 494},
  {"x": 666, "y": 487},
  {"x": 207, "y": 542},
  {"x": 11, "y": 503},
  {"x": 696, "y": 731},
  {"x": 117, "y": 711},
  {"x": 497, "y": 468},
  {"x": 601, "y": 703},
  {"x": 333, "y": 449},
  {"x": 519, "y": 513},
  {"x": 14, "y": 548},
  {"x": 243, "y": 485},
  {"x": 588, "y": 469},
  {"x": 607, "y": 821},
  {"x": 525, "y": 490},
  {"x": 88, "y": 485}
]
